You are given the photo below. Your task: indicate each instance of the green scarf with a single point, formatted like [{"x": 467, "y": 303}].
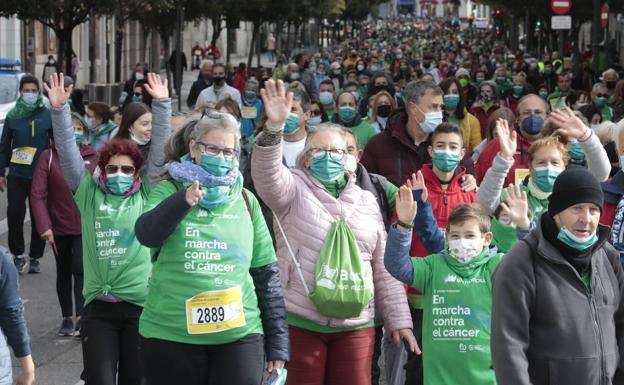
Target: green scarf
[
  {"x": 504, "y": 236},
  {"x": 335, "y": 187},
  {"x": 467, "y": 270},
  {"x": 102, "y": 130},
  {"x": 23, "y": 110}
]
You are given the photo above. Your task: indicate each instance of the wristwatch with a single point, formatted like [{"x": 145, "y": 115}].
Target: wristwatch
[{"x": 405, "y": 225}]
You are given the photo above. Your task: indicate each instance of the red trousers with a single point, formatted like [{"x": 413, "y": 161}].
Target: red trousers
[{"x": 330, "y": 358}]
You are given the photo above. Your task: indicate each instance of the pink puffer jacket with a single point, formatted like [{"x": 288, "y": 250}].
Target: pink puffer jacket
[{"x": 306, "y": 211}]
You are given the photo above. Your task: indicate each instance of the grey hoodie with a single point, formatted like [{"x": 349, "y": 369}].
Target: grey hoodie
[{"x": 547, "y": 326}]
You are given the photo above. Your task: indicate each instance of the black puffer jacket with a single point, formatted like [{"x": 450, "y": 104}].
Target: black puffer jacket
[{"x": 272, "y": 311}]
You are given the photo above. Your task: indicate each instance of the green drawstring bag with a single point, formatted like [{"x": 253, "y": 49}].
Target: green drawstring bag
[{"x": 343, "y": 284}]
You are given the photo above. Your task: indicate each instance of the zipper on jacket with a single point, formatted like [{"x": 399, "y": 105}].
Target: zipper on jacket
[
  {"x": 32, "y": 128},
  {"x": 597, "y": 332}
]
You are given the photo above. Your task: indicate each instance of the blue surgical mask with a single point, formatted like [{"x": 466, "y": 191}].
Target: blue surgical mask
[
  {"x": 445, "y": 161},
  {"x": 314, "y": 121},
  {"x": 216, "y": 165},
  {"x": 89, "y": 122},
  {"x": 326, "y": 168},
  {"x": 29, "y": 98},
  {"x": 137, "y": 98},
  {"x": 347, "y": 114},
  {"x": 119, "y": 184},
  {"x": 292, "y": 124},
  {"x": 600, "y": 102},
  {"x": 432, "y": 120},
  {"x": 533, "y": 124},
  {"x": 326, "y": 98},
  {"x": 567, "y": 237},
  {"x": 545, "y": 178}
]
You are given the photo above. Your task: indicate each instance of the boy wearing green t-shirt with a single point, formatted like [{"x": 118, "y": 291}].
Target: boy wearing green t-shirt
[{"x": 457, "y": 289}]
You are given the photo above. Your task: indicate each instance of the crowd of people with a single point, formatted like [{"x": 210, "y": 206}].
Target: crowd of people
[{"x": 415, "y": 189}]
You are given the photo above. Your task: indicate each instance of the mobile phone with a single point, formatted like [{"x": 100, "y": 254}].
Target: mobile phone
[{"x": 277, "y": 377}]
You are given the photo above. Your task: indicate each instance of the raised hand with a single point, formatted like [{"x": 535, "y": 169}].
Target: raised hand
[
  {"x": 156, "y": 86},
  {"x": 468, "y": 183},
  {"x": 277, "y": 104},
  {"x": 418, "y": 183},
  {"x": 569, "y": 124},
  {"x": 516, "y": 205},
  {"x": 405, "y": 206},
  {"x": 56, "y": 91},
  {"x": 194, "y": 194},
  {"x": 507, "y": 139}
]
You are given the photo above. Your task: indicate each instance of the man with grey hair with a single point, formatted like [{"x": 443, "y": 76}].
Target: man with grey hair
[
  {"x": 610, "y": 78},
  {"x": 401, "y": 149},
  {"x": 600, "y": 98},
  {"x": 204, "y": 80}
]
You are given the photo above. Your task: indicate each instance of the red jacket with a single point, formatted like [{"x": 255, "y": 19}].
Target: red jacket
[
  {"x": 489, "y": 153},
  {"x": 52, "y": 203},
  {"x": 393, "y": 154},
  {"x": 613, "y": 190},
  {"x": 442, "y": 202},
  {"x": 483, "y": 116},
  {"x": 239, "y": 81}
]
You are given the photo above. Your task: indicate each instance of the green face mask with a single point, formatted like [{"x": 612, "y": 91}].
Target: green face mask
[
  {"x": 463, "y": 82},
  {"x": 79, "y": 137},
  {"x": 292, "y": 124},
  {"x": 347, "y": 114},
  {"x": 517, "y": 90},
  {"x": 216, "y": 165},
  {"x": 326, "y": 168},
  {"x": 576, "y": 152},
  {"x": 451, "y": 101},
  {"x": 118, "y": 184},
  {"x": 567, "y": 237},
  {"x": 445, "y": 161},
  {"x": 545, "y": 178},
  {"x": 500, "y": 80},
  {"x": 250, "y": 96},
  {"x": 600, "y": 102}
]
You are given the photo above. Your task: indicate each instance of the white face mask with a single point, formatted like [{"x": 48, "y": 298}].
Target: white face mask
[
  {"x": 138, "y": 140},
  {"x": 464, "y": 250},
  {"x": 138, "y": 76},
  {"x": 351, "y": 163}
]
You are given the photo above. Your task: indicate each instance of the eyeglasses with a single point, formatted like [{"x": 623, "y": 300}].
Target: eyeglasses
[
  {"x": 334, "y": 153},
  {"x": 214, "y": 150},
  {"x": 114, "y": 169}
]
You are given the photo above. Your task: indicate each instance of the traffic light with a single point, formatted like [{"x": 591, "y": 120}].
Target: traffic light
[
  {"x": 497, "y": 12},
  {"x": 538, "y": 25}
]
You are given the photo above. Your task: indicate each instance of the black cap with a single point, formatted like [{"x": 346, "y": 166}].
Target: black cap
[{"x": 573, "y": 186}]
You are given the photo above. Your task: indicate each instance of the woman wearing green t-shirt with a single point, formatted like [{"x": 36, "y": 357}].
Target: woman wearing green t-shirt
[
  {"x": 215, "y": 285},
  {"x": 116, "y": 266}
]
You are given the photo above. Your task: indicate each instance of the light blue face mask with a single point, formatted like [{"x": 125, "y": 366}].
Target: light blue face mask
[
  {"x": 347, "y": 114},
  {"x": 326, "y": 98},
  {"x": 445, "y": 161},
  {"x": 89, "y": 122},
  {"x": 216, "y": 165},
  {"x": 326, "y": 168},
  {"x": 567, "y": 237},
  {"x": 292, "y": 124},
  {"x": 576, "y": 152},
  {"x": 432, "y": 120},
  {"x": 29, "y": 98},
  {"x": 314, "y": 121}
]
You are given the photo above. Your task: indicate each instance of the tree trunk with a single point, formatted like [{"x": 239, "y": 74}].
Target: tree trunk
[
  {"x": 61, "y": 51},
  {"x": 287, "y": 48},
  {"x": 119, "y": 37},
  {"x": 155, "y": 60},
  {"x": 217, "y": 27},
  {"x": 254, "y": 37},
  {"x": 167, "y": 46}
]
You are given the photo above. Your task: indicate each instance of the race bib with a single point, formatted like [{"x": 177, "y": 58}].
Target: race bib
[
  {"x": 23, "y": 155},
  {"x": 521, "y": 173},
  {"x": 215, "y": 311},
  {"x": 249, "y": 112}
]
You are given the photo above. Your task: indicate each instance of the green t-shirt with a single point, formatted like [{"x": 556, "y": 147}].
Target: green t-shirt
[
  {"x": 363, "y": 132},
  {"x": 114, "y": 261},
  {"x": 456, "y": 323},
  {"x": 201, "y": 291},
  {"x": 391, "y": 191}
]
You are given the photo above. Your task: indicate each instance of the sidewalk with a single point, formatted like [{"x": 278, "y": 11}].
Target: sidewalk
[{"x": 190, "y": 76}]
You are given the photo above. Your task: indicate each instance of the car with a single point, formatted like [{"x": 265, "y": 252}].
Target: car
[{"x": 9, "y": 86}]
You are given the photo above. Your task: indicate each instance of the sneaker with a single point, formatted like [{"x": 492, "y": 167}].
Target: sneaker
[
  {"x": 77, "y": 328},
  {"x": 21, "y": 264},
  {"x": 34, "y": 266},
  {"x": 67, "y": 327}
]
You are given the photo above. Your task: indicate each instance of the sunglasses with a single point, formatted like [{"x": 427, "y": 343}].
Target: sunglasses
[{"x": 114, "y": 169}]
